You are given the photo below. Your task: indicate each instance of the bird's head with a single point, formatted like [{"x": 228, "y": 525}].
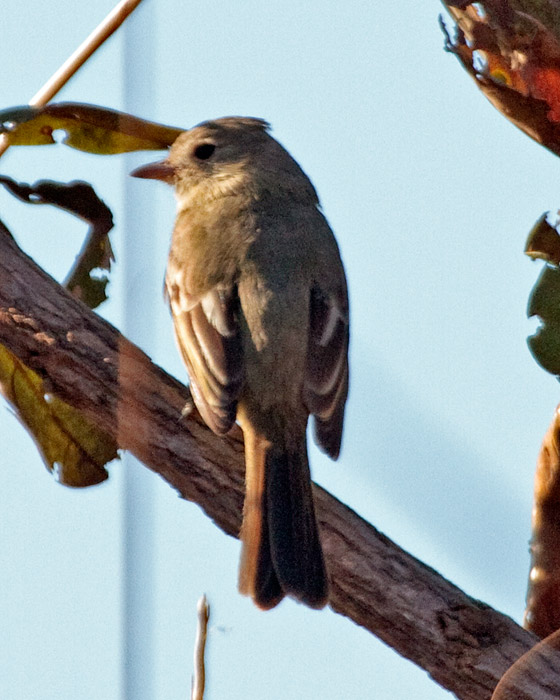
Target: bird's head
[{"x": 225, "y": 156}]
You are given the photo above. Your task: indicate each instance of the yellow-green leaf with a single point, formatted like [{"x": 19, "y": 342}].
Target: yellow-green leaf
[
  {"x": 72, "y": 448},
  {"x": 88, "y": 128}
]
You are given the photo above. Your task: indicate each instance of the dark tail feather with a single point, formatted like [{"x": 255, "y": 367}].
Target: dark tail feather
[
  {"x": 281, "y": 551},
  {"x": 295, "y": 547},
  {"x": 268, "y": 591},
  {"x": 257, "y": 577}
]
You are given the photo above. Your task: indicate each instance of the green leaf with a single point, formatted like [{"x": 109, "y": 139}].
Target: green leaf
[
  {"x": 72, "y": 447},
  {"x": 544, "y": 302},
  {"x": 88, "y": 128}
]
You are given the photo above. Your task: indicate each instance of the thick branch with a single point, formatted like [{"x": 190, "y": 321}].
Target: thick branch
[{"x": 465, "y": 645}]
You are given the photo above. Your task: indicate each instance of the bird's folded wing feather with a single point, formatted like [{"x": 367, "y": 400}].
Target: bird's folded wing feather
[
  {"x": 207, "y": 333},
  {"x": 326, "y": 379}
]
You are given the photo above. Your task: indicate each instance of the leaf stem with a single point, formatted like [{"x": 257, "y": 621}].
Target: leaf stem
[{"x": 99, "y": 35}]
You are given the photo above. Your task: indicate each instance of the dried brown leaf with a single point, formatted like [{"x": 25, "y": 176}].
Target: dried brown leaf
[
  {"x": 542, "y": 614},
  {"x": 77, "y": 198}
]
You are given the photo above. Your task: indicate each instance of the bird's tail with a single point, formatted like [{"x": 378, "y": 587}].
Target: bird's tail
[{"x": 281, "y": 550}]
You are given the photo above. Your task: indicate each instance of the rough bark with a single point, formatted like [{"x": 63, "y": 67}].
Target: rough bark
[{"x": 464, "y": 645}]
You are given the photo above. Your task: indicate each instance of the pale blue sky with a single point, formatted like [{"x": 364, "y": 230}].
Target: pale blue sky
[{"x": 431, "y": 194}]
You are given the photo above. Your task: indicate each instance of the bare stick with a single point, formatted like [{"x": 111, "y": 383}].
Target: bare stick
[
  {"x": 99, "y": 35},
  {"x": 199, "y": 676}
]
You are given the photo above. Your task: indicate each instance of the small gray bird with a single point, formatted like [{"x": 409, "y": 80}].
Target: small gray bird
[{"x": 259, "y": 303}]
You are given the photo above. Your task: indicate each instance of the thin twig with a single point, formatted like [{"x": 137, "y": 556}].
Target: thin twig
[
  {"x": 199, "y": 676},
  {"x": 99, "y": 35}
]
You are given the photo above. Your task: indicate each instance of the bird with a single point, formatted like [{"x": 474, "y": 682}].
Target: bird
[{"x": 259, "y": 301}]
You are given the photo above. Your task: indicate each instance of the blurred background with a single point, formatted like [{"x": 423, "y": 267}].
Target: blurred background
[{"x": 431, "y": 194}]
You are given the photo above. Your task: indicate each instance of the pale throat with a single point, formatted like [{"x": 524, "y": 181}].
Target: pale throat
[{"x": 221, "y": 184}]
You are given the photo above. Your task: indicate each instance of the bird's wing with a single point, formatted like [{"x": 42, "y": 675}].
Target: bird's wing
[
  {"x": 326, "y": 379},
  {"x": 206, "y": 329}
]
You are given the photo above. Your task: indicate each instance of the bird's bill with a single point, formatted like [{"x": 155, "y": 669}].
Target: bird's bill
[{"x": 161, "y": 170}]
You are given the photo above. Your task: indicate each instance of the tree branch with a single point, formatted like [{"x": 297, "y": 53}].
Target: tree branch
[{"x": 465, "y": 645}]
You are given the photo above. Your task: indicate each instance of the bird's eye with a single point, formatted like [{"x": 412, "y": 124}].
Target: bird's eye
[{"x": 204, "y": 151}]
